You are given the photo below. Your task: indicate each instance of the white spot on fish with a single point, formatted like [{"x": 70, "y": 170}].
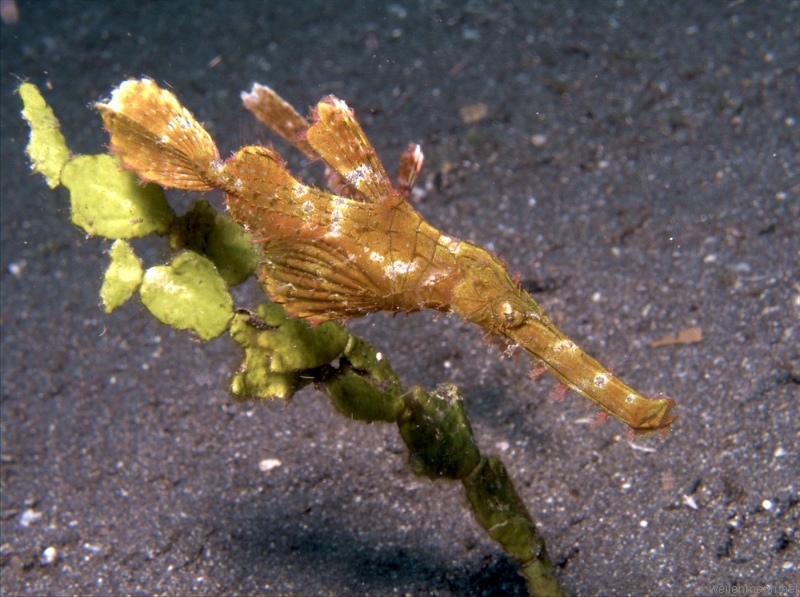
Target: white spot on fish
[
  {"x": 338, "y": 210},
  {"x": 451, "y": 244},
  {"x": 363, "y": 172},
  {"x": 565, "y": 344},
  {"x": 433, "y": 279},
  {"x": 399, "y": 267}
]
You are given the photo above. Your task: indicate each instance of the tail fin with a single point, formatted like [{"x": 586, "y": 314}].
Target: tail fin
[{"x": 160, "y": 139}]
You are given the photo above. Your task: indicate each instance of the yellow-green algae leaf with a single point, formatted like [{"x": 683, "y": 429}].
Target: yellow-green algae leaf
[
  {"x": 188, "y": 294},
  {"x": 278, "y": 349},
  {"x": 122, "y": 277},
  {"x": 109, "y": 201},
  {"x": 47, "y": 148},
  {"x": 204, "y": 230}
]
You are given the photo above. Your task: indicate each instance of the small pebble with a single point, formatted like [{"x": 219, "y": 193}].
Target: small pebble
[
  {"x": 474, "y": 113},
  {"x": 538, "y": 140},
  {"x": 269, "y": 464},
  {"x": 397, "y": 10},
  {"x": 15, "y": 269},
  {"x": 470, "y": 34},
  {"x": 49, "y": 556},
  {"x": 29, "y": 517},
  {"x": 742, "y": 267}
]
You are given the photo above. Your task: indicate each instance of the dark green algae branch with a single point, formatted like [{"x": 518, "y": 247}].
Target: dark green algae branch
[
  {"x": 433, "y": 425},
  {"x": 283, "y": 354}
]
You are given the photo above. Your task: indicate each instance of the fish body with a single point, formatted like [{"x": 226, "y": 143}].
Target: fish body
[{"x": 360, "y": 249}]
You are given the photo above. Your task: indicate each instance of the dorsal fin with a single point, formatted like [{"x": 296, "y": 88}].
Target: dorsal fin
[
  {"x": 340, "y": 142},
  {"x": 279, "y": 116}
]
